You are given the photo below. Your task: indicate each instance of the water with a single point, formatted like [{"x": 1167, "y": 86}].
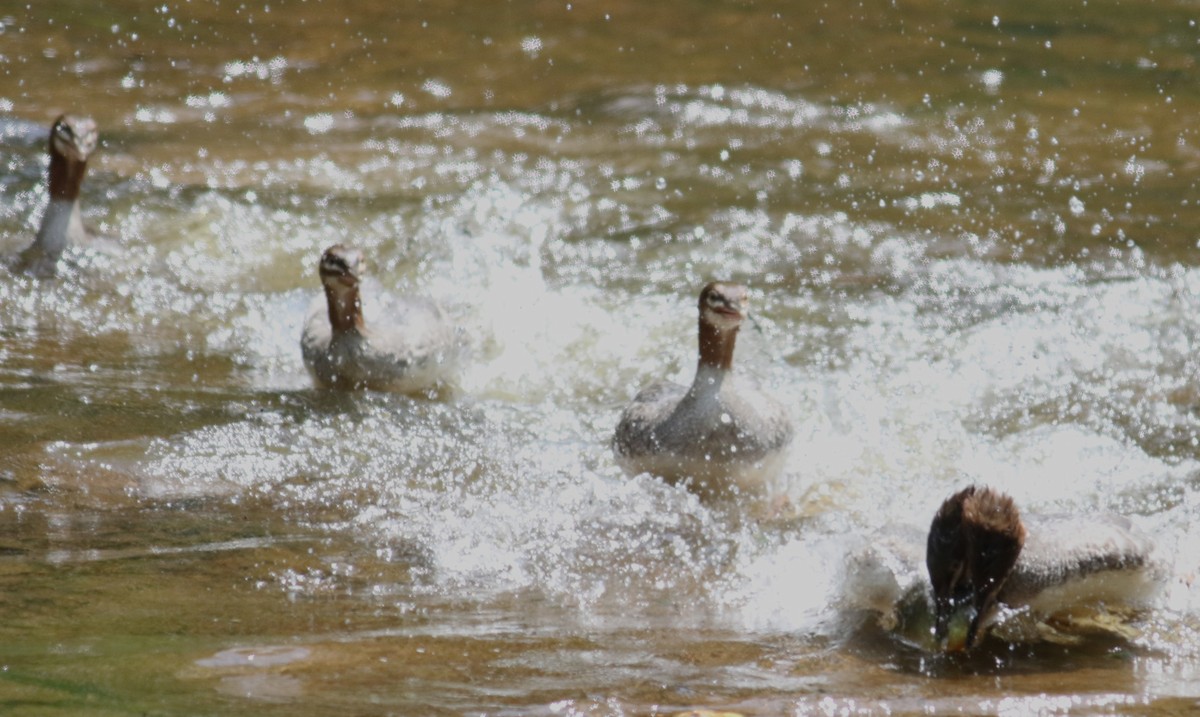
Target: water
[{"x": 970, "y": 241}]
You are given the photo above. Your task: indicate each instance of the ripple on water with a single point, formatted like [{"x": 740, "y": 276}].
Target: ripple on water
[{"x": 510, "y": 486}]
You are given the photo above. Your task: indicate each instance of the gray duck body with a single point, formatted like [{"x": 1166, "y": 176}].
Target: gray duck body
[{"x": 1072, "y": 559}]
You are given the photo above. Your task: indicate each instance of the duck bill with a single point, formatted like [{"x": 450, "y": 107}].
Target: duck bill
[{"x": 957, "y": 627}]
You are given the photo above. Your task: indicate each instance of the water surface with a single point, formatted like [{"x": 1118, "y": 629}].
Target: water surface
[{"x": 970, "y": 239}]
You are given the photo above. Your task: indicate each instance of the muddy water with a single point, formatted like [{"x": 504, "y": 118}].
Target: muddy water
[{"x": 970, "y": 234}]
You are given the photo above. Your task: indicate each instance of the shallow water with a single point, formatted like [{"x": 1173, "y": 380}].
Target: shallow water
[{"x": 970, "y": 239}]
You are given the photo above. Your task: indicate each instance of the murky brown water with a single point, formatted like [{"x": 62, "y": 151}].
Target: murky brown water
[{"x": 971, "y": 234}]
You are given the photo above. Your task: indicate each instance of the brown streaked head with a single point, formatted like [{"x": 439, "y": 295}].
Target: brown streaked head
[
  {"x": 73, "y": 138},
  {"x": 342, "y": 266},
  {"x": 973, "y": 545},
  {"x": 723, "y": 305}
]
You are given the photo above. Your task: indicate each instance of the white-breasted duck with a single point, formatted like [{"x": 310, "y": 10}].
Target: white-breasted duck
[
  {"x": 721, "y": 434},
  {"x": 413, "y": 348}
]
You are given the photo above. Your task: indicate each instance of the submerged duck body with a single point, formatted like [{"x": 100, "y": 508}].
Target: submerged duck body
[
  {"x": 414, "y": 350},
  {"x": 718, "y": 434},
  {"x": 981, "y": 553},
  {"x": 72, "y": 142}
]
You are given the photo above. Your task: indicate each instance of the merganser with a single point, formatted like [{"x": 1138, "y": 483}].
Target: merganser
[
  {"x": 719, "y": 435},
  {"x": 72, "y": 141},
  {"x": 416, "y": 352},
  {"x": 980, "y": 553}
]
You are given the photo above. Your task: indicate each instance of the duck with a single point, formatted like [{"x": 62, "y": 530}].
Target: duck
[
  {"x": 414, "y": 350},
  {"x": 72, "y": 141},
  {"x": 982, "y": 554},
  {"x": 721, "y": 435}
]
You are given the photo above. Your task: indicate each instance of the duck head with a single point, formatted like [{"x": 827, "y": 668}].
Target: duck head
[
  {"x": 73, "y": 138},
  {"x": 723, "y": 306},
  {"x": 341, "y": 270},
  {"x": 973, "y": 546},
  {"x": 342, "y": 267}
]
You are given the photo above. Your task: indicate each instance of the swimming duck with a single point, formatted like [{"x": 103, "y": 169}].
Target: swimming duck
[
  {"x": 718, "y": 435},
  {"x": 980, "y": 553},
  {"x": 72, "y": 141},
  {"x": 416, "y": 351}
]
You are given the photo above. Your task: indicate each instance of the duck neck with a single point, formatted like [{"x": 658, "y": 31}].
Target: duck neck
[
  {"x": 66, "y": 176},
  {"x": 62, "y": 224},
  {"x": 345, "y": 309},
  {"x": 716, "y": 346},
  {"x": 716, "y": 358}
]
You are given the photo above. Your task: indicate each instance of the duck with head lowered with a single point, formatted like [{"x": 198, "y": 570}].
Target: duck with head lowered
[
  {"x": 982, "y": 553},
  {"x": 412, "y": 348},
  {"x": 72, "y": 141},
  {"x": 721, "y": 434}
]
